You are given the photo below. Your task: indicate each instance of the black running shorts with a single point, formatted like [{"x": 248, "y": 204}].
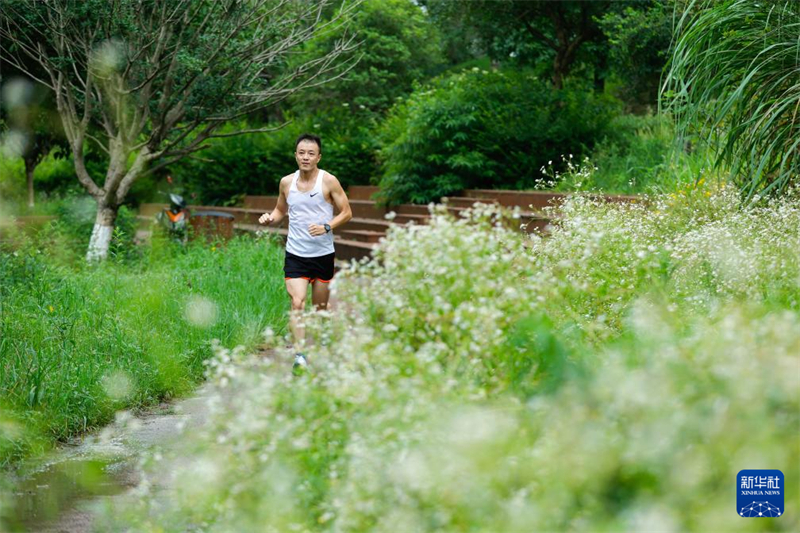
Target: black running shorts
[{"x": 310, "y": 268}]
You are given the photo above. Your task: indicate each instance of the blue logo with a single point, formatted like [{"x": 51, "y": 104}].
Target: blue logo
[{"x": 759, "y": 493}]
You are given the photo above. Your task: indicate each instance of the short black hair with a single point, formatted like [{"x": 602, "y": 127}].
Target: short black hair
[{"x": 309, "y": 137}]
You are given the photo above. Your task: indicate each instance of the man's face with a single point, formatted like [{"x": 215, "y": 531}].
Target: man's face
[{"x": 307, "y": 155}]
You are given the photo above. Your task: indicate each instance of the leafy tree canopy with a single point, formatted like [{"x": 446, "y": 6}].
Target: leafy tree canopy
[{"x": 399, "y": 45}]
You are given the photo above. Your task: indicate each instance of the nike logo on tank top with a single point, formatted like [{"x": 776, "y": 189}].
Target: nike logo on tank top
[{"x": 308, "y": 208}]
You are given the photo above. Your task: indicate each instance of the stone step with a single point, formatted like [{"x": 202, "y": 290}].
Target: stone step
[
  {"x": 360, "y": 224},
  {"x": 151, "y": 210},
  {"x": 367, "y": 209},
  {"x": 367, "y": 224},
  {"x": 354, "y": 192},
  {"x": 416, "y": 219},
  {"x": 265, "y": 203},
  {"x": 360, "y": 208},
  {"x": 457, "y": 211},
  {"x": 465, "y": 201},
  {"x": 361, "y": 235},
  {"x": 361, "y": 192},
  {"x": 535, "y": 224},
  {"x": 240, "y": 215},
  {"x": 342, "y": 235},
  {"x": 411, "y": 209},
  {"x": 347, "y": 249},
  {"x": 523, "y": 199}
]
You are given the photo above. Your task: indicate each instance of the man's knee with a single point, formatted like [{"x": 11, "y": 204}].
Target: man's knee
[
  {"x": 298, "y": 304},
  {"x": 322, "y": 306}
]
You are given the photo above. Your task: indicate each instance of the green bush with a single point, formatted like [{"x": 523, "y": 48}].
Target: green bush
[
  {"x": 484, "y": 129},
  {"x": 639, "y": 39},
  {"x": 231, "y": 166},
  {"x": 349, "y": 145},
  {"x": 55, "y": 175},
  {"x": 55, "y": 178},
  {"x": 12, "y": 179}
]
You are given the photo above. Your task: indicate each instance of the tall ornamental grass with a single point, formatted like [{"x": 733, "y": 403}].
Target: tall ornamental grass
[
  {"x": 732, "y": 82},
  {"x": 614, "y": 376},
  {"x": 78, "y": 342}
]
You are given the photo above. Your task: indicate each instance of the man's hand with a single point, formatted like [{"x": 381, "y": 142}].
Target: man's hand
[
  {"x": 266, "y": 218},
  {"x": 316, "y": 230}
]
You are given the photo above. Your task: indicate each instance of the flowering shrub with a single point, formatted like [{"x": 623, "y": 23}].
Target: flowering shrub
[{"x": 612, "y": 376}]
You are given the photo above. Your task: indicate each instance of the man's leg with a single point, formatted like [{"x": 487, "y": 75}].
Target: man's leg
[
  {"x": 320, "y": 293},
  {"x": 297, "y": 289}
]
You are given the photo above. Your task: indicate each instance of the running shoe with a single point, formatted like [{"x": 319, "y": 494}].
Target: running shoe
[{"x": 300, "y": 364}]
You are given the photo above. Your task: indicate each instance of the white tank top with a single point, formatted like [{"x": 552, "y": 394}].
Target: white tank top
[{"x": 308, "y": 208}]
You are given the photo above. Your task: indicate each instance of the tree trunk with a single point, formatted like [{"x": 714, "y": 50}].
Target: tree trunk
[
  {"x": 30, "y": 166},
  {"x": 558, "y": 78},
  {"x": 562, "y": 64},
  {"x": 101, "y": 234},
  {"x": 600, "y": 68}
]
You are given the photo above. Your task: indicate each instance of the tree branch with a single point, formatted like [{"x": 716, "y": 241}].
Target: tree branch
[
  {"x": 174, "y": 158},
  {"x": 536, "y": 34},
  {"x": 238, "y": 44},
  {"x": 136, "y": 170},
  {"x": 252, "y": 130}
]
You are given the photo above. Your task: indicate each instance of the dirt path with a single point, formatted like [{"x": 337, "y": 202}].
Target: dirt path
[{"x": 61, "y": 496}]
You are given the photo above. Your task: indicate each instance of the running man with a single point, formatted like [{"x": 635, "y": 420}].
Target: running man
[{"x": 308, "y": 197}]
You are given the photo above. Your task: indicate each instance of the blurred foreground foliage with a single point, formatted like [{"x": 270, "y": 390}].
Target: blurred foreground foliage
[{"x": 614, "y": 376}]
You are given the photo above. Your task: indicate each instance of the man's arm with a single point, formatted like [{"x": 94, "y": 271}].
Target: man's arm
[
  {"x": 281, "y": 208},
  {"x": 339, "y": 201}
]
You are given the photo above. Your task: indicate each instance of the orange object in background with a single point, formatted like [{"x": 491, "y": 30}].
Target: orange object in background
[{"x": 175, "y": 217}]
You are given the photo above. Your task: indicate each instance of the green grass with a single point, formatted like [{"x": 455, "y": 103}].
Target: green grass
[
  {"x": 78, "y": 343},
  {"x": 639, "y": 155}
]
